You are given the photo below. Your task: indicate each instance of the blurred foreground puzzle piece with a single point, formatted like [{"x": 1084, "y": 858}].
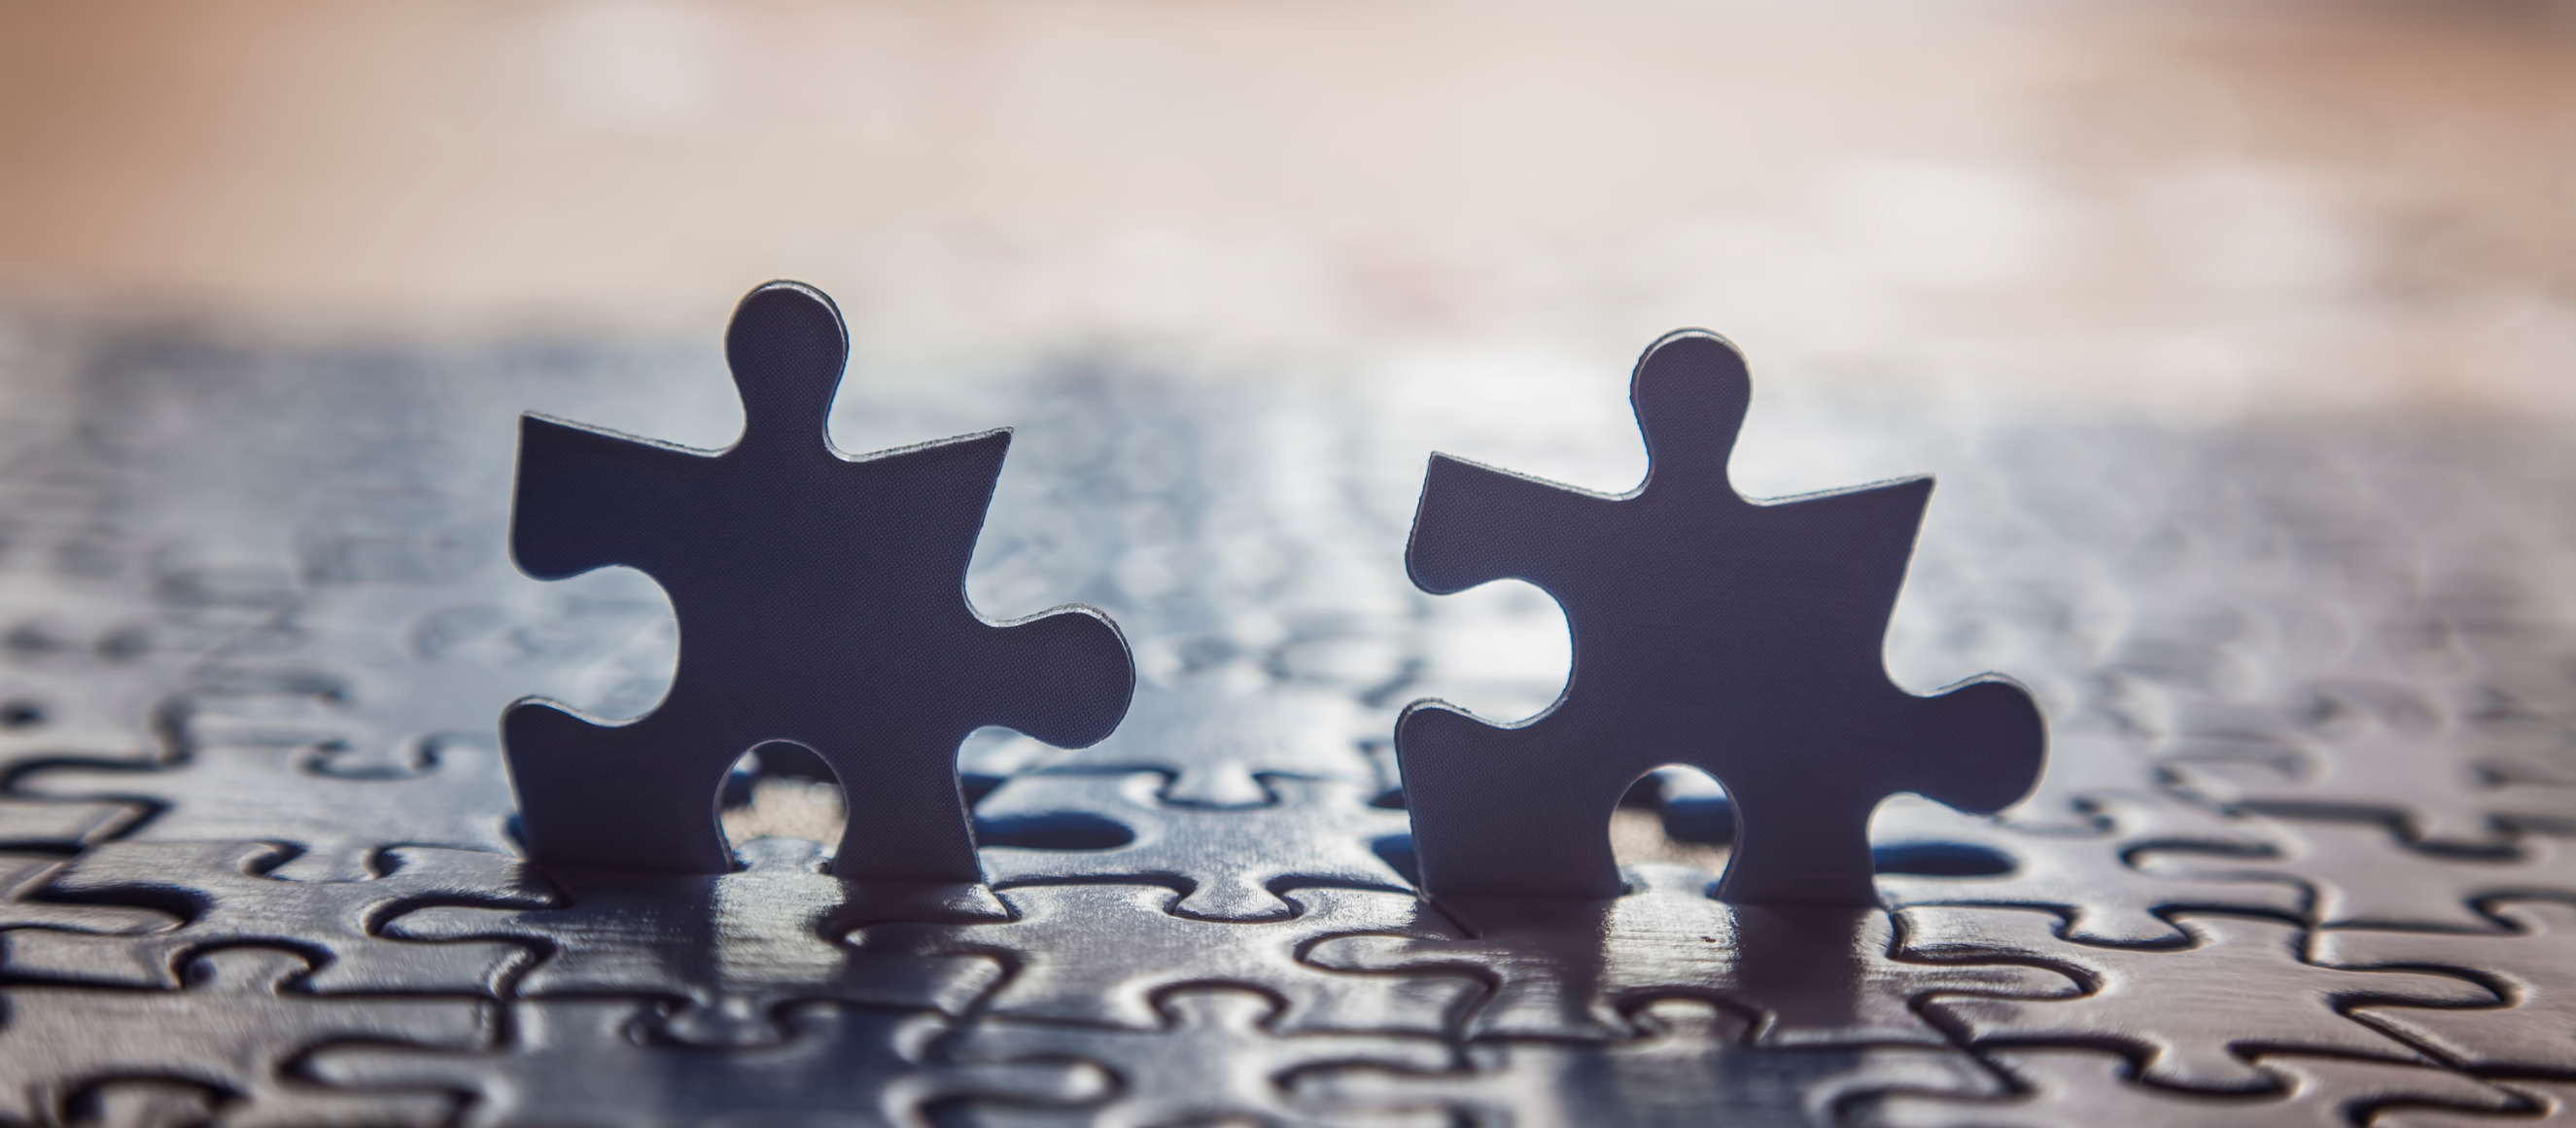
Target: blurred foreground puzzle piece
[
  {"x": 821, "y": 601},
  {"x": 1739, "y": 637}
]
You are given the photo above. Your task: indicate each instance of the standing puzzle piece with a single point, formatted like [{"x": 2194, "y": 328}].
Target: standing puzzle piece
[
  {"x": 1737, "y": 637},
  {"x": 821, "y": 601}
]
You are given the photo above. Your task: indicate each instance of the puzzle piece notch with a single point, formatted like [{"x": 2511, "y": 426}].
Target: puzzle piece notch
[
  {"x": 732, "y": 950},
  {"x": 1740, "y": 638},
  {"x": 235, "y": 1023},
  {"x": 1230, "y": 863},
  {"x": 591, "y": 1063},
  {"x": 818, "y": 596},
  {"x": 229, "y": 896}
]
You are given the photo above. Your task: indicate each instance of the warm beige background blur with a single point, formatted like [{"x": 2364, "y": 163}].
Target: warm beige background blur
[{"x": 2192, "y": 206}]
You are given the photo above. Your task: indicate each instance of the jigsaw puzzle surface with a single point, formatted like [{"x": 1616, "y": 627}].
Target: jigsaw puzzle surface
[{"x": 2304, "y": 852}]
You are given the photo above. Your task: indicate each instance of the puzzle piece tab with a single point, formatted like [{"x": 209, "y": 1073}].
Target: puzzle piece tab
[
  {"x": 821, "y": 601},
  {"x": 1737, "y": 637}
]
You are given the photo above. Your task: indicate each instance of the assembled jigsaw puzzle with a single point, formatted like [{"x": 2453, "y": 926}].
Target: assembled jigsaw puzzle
[{"x": 2249, "y": 805}]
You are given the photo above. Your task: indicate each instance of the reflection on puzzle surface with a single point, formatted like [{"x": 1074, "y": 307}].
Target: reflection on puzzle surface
[{"x": 2296, "y": 859}]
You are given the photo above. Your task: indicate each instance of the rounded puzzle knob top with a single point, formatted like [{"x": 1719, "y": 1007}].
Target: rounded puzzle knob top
[{"x": 787, "y": 347}]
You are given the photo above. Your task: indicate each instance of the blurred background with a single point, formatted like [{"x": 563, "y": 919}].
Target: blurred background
[{"x": 2184, "y": 207}]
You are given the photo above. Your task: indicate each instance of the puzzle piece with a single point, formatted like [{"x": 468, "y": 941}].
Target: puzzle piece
[
  {"x": 1690, "y": 1068},
  {"x": 2243, "y": 564},
  {"x": 732, "y": 950},
  {"x": 22, "y": 877},
  {"x": 2365, "y": 876},
  {"x": 35, "y": 824},
  {"x": 2383, "y": 752},
  {"x": 2535, "y": 963},
  {"x": 231, "y": 1028},
  {"x": 2192, "y": 1015},
  {"x": 1739, "y": 638},
  {"x": 229, "y": 897},
  {"x": 1565, "y": 969},
  {"x": 822, "y": 600},
  {"x": 84, "y": 672},
  {"x": 2106, "y": 900},
  {"x": 2531, "y": 796},
  {"x": 1216, "y": 1059},
  {"x": 1231, "y": 863},
  {"x": 80, "y": 714},
  {"x": 579, "y": 1063},
  {"x": 2549, "y": 1104},
  {"x": 280, "y": 794},
  {"x": 165, "y": 1102},
  {"x": 386, "y": 678},
  {"x": 1100, "y": 953},
  {"x": 2089, "y": 1088},
  {"x": 1215, "y": 741},
  {"x": 2093, "y": 755}
]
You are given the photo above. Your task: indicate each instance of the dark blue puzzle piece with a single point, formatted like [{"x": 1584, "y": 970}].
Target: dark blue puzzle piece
[
  {"x": 821, "y": 601},
  {"x": 1738, "y": 637}
]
